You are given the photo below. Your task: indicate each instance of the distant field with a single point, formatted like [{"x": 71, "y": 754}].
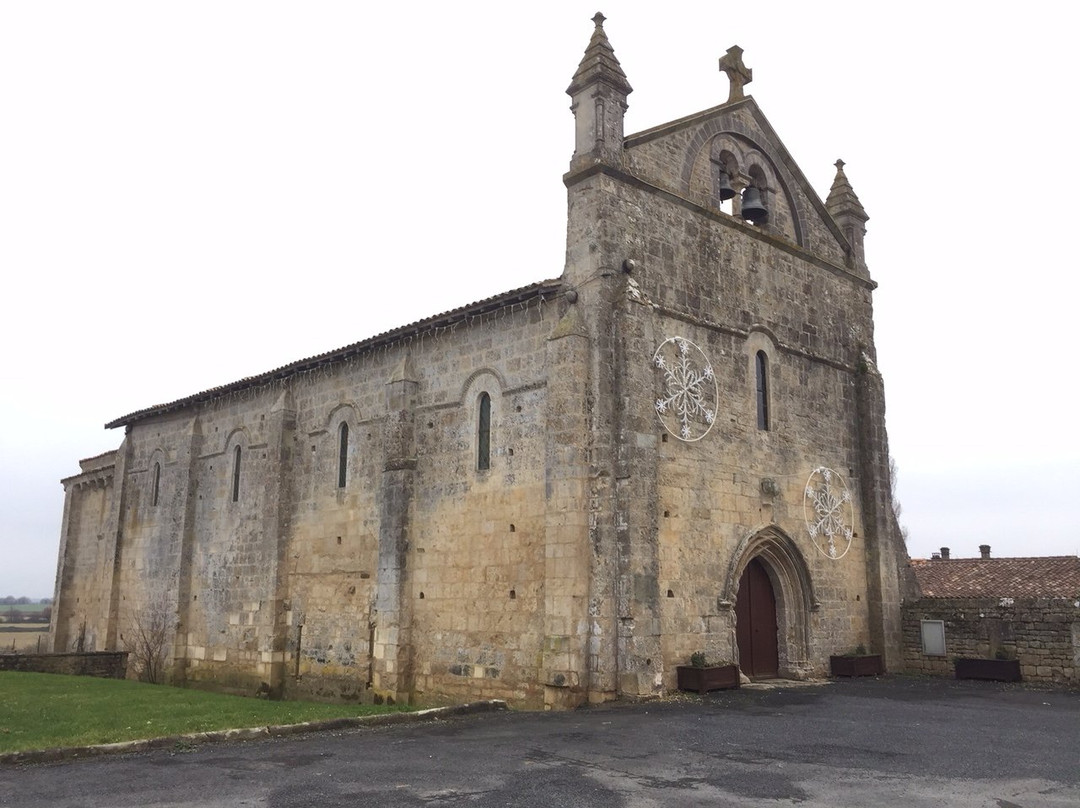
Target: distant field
[
  {"x": 26, "y": 608},
  {"x": 24, "y": 638}
]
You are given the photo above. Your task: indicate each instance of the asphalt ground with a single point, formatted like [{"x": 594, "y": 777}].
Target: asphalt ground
[{"x": 895, "y": 741}]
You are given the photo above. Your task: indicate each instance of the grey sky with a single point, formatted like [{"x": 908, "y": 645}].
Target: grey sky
[{"x": 195, "y": 192}]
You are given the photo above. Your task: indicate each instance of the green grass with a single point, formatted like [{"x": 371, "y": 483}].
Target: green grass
[{"x": 42, "y": 711}]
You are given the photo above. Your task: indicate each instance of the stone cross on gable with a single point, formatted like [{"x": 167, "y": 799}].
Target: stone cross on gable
[{"x": 738, "y": 73}]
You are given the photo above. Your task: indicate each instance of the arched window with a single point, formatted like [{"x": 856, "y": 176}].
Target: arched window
[
  {"x": 724, "y": 179},
  {"x": 755, "y": 198},
  {"x": 483, "y": 434},
  {"x": 236, "y": 475},
  {"x": 761, "y": 368},
  {"x": 343, "y": 454},
  {"x": 156, "y": 485}
]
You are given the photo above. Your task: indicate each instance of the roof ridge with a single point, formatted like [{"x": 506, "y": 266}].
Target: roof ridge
[
  {"x": 995, "y": 558},
  {"x": 1005, "y": 577},
  {"x": 493, "y": 303}
]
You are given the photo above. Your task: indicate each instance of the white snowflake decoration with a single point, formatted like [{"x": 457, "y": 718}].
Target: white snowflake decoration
[
  {"x": 827, "y": 507},
  {"x": 687, "y": 406}
]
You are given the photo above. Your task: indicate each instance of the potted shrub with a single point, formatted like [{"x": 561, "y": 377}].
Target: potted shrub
[
  {"x": 1002, "y": 668},
  {"x": 702, "y": 676},
  {"x": 857, "y": 663}
]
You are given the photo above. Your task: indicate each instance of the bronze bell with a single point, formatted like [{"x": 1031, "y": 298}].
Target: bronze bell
[
  {"x": 723, "y": 187},
  {"x": 752, "y": 208}
]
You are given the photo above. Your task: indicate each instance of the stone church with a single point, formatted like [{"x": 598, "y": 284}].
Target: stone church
[{"x": 554, "y": 495}]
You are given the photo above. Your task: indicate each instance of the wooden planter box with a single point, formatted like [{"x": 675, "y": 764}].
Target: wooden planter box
[
  {"x": 995, "y": 670},
  {"x": 719, "y": 677},
  {"x": 862, "y": 665}
]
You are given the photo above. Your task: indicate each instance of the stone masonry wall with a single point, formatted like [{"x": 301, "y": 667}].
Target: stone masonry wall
[
  {"x": 103, "y": 664},
  {"x": 81, "y": 612},
  {"x": 736, "y": 289},
  {"x": 332, "y": 564},
  {"x": 229, "y": 619},
  {"x": 732, "y": 292},
  {"x": 1043, "y": 634},
  {"x": 476, "y": 580},
  {"x": 148, "y": 566},
  {"x": 677, "y": 157},
  {"x": 475, "y": 561}
]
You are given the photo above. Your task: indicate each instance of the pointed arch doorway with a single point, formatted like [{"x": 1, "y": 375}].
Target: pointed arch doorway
[
  {"x": 755, "y": 623},
  {"x": 770, "y": 562}
]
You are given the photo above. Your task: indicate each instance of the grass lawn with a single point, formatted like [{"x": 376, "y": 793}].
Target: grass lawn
[{"x": 42, "y": 710}]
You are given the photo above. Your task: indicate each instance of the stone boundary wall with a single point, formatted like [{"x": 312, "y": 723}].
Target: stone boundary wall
[
  {"x": 103, "y": 664},
  {"x": 1043, "y": 634}
]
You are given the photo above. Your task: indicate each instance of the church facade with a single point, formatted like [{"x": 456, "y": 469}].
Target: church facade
[{"x": 554, "y": 495}]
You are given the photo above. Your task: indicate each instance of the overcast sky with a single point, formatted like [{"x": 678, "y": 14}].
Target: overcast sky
[{"x": 193, "y": 192}]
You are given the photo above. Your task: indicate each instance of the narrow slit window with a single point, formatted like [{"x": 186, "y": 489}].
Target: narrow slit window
[
  {"x": 156, "y": 484},
  {"x": 483, "y": 434},
  {"x": 236, "y": 475},
  {"x": 761, "y": 366},
  {"x": 343, "y": 454}
]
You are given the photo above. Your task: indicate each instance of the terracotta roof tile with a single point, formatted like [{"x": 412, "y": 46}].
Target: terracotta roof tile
[{"x": 1045, "y": 577}]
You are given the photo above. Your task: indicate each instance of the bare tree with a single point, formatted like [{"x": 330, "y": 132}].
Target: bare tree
[
  {"x": 147, "y": 641},
  {"x": 897, "y": 508}
]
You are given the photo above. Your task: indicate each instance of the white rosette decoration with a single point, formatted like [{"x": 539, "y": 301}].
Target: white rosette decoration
[
  {"x": 687, "y": 405},
  {"x": 828, "y": 511}
]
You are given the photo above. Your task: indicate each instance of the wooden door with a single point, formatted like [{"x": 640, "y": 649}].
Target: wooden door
[{"x": 755, "y": 623}]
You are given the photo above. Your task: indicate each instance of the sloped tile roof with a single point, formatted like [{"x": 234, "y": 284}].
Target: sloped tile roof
[
  {"x": 1046, "y": 577},
  {"x": 542, "y": 290}
]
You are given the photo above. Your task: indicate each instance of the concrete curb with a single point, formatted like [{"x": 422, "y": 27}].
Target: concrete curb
[{"x": 250, "y": 733}]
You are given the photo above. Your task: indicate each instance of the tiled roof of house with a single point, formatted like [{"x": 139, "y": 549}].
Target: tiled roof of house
[
  {"x": 1046, "y": 577},
  {"x": 541, "y": 290}
]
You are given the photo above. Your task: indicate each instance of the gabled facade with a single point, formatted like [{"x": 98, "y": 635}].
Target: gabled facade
[{"x": 555, "y": 495}]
